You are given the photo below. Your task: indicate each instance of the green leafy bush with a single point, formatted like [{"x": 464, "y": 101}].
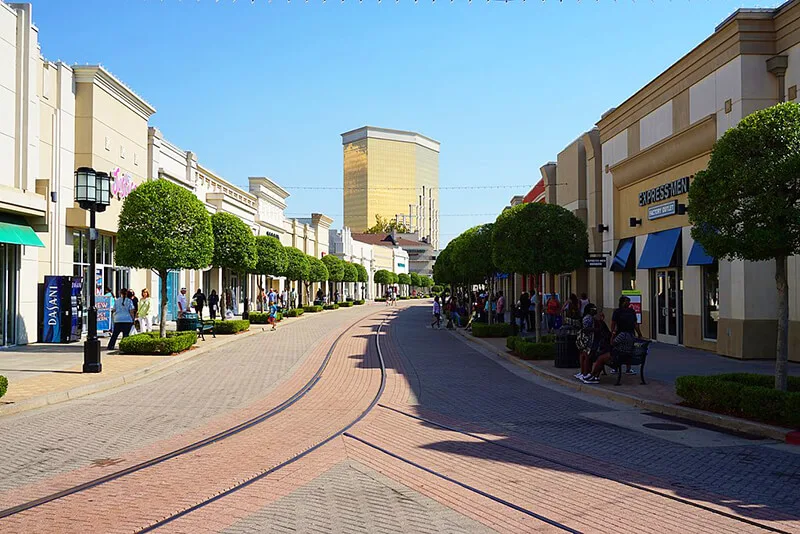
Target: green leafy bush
[
  {"x": 151, "y": 343},
  {"x": 312, "y": 309},
  {"x": 745, "y": 395},
  {"x": 263, "y": 317},
  {"x": 380, "y": 299},
  {"x": 346, "y": 304},
  {"x": 359, "y": 302},
  {"x": 403, "y": 297},
  {"x": 231, "y": 326},
  {"x": 511, "y": 341},
  {"x": 330, "y": 307},
  {"x": 437, "y": 289},
  {"x": 493, "y": 330},
  {"x": 3, "y": 385},
  {"x": 296, "y": 312},
  {"x": 527, "y": 349}
]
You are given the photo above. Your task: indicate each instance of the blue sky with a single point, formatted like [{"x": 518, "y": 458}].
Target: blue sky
[{"x": 266, "y": 88}]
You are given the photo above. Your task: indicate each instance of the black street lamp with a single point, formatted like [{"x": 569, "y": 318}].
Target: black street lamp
[{"x": 92, "y": 193}]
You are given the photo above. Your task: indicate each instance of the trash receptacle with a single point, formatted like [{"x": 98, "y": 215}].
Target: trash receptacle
[{"x": 567, "y": 355}]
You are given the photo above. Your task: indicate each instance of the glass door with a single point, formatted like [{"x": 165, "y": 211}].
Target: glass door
[
  {"x": 667, "y": 303},
  {"x": 8, "y": 293}
]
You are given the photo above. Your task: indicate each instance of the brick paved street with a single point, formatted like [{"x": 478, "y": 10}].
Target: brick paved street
[{"x": 539, "y": 452}]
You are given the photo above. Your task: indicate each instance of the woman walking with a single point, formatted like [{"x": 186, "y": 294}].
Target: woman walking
[
  {"x": 213, "y": 304},
  {"x": 123, "y": 317},
  {"x": 143, "y": 313},
  {"x": 199, "y": 301}
]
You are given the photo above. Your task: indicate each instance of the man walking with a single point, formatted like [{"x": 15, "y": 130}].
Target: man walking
[{"x": 183, "y": 305}]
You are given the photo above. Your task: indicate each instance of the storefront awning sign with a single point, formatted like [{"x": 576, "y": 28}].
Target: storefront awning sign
[
  {"x": 662, "y": 210},
  {"x": 621, "y": 258},
  {"x": 15, "y": 231},
  {"x": 659, "y": 249},
  {"x": 699, "y": 256}
]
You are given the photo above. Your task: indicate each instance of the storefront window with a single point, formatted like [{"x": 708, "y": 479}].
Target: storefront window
[
  {"x": 8, "y": 293},
  {"x": 710, "y": 300},
  {"x": 113, "y": 278},
  {"x": 628, "y": 280}
]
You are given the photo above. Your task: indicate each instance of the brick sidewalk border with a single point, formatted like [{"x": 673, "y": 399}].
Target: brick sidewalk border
[
  {"x": 674, "y": 410},
  {"x": 126, "y": 378}
]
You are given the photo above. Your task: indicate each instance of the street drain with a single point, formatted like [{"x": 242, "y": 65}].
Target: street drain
[{"x": 664, "y": 426}]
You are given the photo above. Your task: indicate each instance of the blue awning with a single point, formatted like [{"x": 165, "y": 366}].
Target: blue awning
[
  {"x": 623, "y": 254},
  {"x": 699, "y": 256},
  {"x": 659, "y": 249}
]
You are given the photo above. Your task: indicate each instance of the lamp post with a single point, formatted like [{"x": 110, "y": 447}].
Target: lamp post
[{"x": 92, "y": 193}]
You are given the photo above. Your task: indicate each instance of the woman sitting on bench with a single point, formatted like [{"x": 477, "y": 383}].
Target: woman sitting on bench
[{"x": 600, "y": 353}]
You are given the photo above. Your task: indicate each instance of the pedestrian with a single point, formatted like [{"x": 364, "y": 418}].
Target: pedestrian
[
  {"x": 601, "y": 352},
  {"x": 583, "y": 302},
  {"x": 213, "y": 304},
  {"x": 123, "y": 317},
  {"x": 143, "y": 312},
  {"x": 183, "y": 305},
  {"x": 293, "y": 298},
  {"x": 501, "y": 307},
  {"x": 572, "y": 311},
  {"x": 273, "y": 314},
  {"x": 272, "y": 298},
  {"x": 135, "y": 314},
  {"x": 522, "y": 311},
  {"x": 553, "y": 311},
  {"x": 437, "y": 313},
  {"x": 624, "y": 325},
  {"x": 284, "y": 299},
  {"x": 199, "y": 301},
  {"x": 585, "y": 342}
]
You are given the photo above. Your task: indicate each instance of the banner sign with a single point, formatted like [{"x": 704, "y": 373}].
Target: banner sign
[
  {"x": 636, "y": 302},
  {"x": 103, "y": 305},
  {"x": 595, "y": 262},
  {"x": 662, "y": 210},
  {"x": 51, "y": 332},
  {"x": 98, "y": 282},
  {"x": 665, "y": 191}
]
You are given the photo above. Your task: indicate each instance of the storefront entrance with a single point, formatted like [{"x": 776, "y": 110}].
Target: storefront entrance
[
  {"x": 9, "y": 267},
  {"x": 667, "y": 305}
]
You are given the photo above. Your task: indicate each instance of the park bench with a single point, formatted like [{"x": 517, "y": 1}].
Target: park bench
[
  {"x": 192, "y": 321},
  {"x": 641, "y": 347}
]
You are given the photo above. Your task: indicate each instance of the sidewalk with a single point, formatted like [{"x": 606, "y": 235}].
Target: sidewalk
[
  {"x": 664, "y": 364},
  {"x": 41, "y": 374}
]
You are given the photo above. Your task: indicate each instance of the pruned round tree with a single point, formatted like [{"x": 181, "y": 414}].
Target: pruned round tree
[
  {"x": 403, "y": 279},
  {"x": 350, "y": 273},
  {"x": 234, "y": 246},
  {"x": 317, "y": 273},
  {"x": 297, "y": 267},
  {"x": 414, "y": 280},
  {"x": 164, "y": 227},
  {"x": 537, "y": 238},
  {"x": 363, "y": 277},
  {"x": 746, "y": 204},
  {"x": 335, "y": 268},
  {"x": 271, "y": 256}
]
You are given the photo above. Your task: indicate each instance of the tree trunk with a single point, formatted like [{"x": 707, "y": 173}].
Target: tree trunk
[
  {"x": 162, "y": 328},
  {"x": 489, "y": 295},
  {"x": 782, "y": 355}
]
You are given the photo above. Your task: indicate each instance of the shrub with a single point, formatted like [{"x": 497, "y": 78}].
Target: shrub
[
  {"x": 745, "y": 395},
  {"x": 359, "y": 302},
  {"x": 258, "y": 317},
  {"x": 331, "y": 307},
  {"x": 312, "y": 309},
  {"x": 380, "y": 299},
  {"x": 151, "y": 343},
  {"x": 493, "y": 330},
  {"x": 3, "y": 385},
  {"x": 403, "y": 297},
  {"x": 511, "y": 341},
  {"x": 347, "y": 304},
  {"x": 437, "y": 289},
  {"x": 528, "y": 350},
  {"x": 296, "y": 312},
  {"x": 349, "y": 299},
  {"x": 231, "y": 326}
]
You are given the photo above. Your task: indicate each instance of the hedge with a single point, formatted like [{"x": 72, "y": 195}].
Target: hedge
[
  {"x": 358, "y": 302},
  {"x": 3, "y": 385},
  {"x": 530, "y": 350},
  {"x": 346, "y": 304},
  {"x": 380, "y": 299},
  {"x": 745, "y": 395},
  {"x": 261, "y": 317},
  {"x": 403, "y": 298},
  {"x": 296, "y": 312},
  {"x": 312, "y": 309},
  {"x": 331, "y": 307},
  {"x": 151, "y": 343},
  {"x": 493, "y": 330},
  {"x": 231, "y": 326}
]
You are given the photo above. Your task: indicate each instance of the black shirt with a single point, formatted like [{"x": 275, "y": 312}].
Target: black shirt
[{"x": 625, "y": 319}]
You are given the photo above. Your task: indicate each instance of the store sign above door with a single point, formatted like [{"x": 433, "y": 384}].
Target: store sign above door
[
  {"x": 665, "y": 191},
  {"x": 662, "y": 210},
  {"x": 123, "y": 183}
]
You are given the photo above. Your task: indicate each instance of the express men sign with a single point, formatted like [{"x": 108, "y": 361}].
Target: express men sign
[{"x": 665, "y": 191}]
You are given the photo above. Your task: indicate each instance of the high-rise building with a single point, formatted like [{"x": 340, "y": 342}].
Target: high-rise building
[{"x": 392, "y": 174}]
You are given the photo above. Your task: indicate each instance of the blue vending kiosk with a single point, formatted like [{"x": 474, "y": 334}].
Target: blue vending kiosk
[{"x": 60, "y": 309}]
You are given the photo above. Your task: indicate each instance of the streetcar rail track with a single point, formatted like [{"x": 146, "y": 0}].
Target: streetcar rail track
[
  {"x": 260, "y": 418},
  {"x": 568, "y": 466}
]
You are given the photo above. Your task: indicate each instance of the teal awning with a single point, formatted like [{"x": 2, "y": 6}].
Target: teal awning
[{"x": 15, "y": 231}]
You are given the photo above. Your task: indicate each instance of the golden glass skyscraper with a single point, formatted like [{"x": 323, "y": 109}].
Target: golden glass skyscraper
[{"x": 393, "y": 174}]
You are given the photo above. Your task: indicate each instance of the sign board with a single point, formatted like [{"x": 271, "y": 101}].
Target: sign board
[
  {"x": 665, "y": 191},
  {"x": 98, "y": 281},
  {"x": 595, "y": 263},
  {"x": 103, "y": 305},
  {"x": 51, "y": 329},
  {"x": 662, "y": 210},
  {"x": 636, "y": 302}
]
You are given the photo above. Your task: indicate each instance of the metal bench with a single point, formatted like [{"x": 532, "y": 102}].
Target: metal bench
[
  {"x": 641, "y": 347},
  {"x": 192, "y": 321}
]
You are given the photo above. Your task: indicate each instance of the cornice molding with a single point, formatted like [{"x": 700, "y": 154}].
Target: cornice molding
[{"x": 99, "y": 76}]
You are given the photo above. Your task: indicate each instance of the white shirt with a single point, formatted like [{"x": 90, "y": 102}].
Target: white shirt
[{"x": 182, "y": 303}]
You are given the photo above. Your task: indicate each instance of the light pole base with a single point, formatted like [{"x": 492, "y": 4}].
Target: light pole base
[{"x": 91, "y": 356}]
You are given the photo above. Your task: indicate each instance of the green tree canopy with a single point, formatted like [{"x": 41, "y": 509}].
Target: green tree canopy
[
  {"x": 473, "y": 261},
  {"x": 382, "y": 276},
  {"x": 350, "y": 273},
  {"x": 297, "y": 265},
  {"x": 415, "y": 280},
  {"x": 163, "y": 226},
  {"x": 403, "y": 279},
  {"x": 363, "y": 275},
  {"x": 426, "y": 281},
  {"x": 746, "y": 204},
  {"x": 335, "y": 267},
  {"x": 272, "y": 257},
  {"x": 234, "y": 243},
  {"x": 317, "y": 271},
  {"x": 385, "y": 226},
  {"x": 443, "y": 271}
]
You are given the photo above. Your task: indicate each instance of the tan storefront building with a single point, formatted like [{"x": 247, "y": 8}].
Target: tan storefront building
[{"x": 652, "y": 144}]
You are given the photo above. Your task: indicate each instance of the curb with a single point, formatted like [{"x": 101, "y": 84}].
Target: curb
[
  {"x": 124, "y": 379},
  {"x": 709, "y": 418}
]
